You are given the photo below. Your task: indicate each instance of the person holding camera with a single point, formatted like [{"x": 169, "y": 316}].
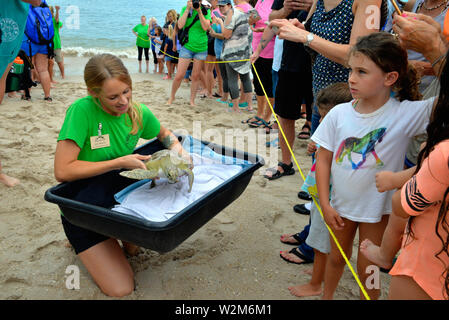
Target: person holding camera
[{"x": 197, "y": 19}]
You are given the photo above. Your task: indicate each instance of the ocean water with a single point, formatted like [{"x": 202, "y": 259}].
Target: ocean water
[{"x": 97, "y": 26}]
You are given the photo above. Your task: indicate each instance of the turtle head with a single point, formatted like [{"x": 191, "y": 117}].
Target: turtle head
[{"x": 172, "y": 174}]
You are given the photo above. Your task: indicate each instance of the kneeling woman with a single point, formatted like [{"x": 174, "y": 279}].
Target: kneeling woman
[{"x": 109, "y": 108}]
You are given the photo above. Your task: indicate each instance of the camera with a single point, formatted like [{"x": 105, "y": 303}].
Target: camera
[{"x": 196, "y": 4}]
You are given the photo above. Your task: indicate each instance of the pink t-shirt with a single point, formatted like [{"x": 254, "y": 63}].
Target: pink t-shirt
[
  {"x": 421, "y": 197},
  {"x": 264, "y": 9}
]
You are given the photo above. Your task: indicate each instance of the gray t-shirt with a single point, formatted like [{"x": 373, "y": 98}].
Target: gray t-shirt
[{"x": 238, "y": 47}]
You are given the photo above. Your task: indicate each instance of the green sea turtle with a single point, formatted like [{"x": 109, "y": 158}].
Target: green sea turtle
[{"x": 164, "y": 163}]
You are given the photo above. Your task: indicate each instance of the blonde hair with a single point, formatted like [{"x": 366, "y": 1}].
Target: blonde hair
[
  {"x": 174, "y": 14},
  {"x": 171, "y": 32},
  {"x": 102, "y": 67}
]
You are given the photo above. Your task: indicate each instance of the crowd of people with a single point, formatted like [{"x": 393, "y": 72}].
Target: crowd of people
[{"x": 373, "y": 96}]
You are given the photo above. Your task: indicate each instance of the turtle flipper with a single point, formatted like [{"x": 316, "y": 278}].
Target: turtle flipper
[
  {"x": 138, "y": 174},
  {"x": 190, "y": 174}
]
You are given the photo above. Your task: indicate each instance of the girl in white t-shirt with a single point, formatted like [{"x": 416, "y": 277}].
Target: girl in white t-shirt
[{"x": 359, "y": 139}]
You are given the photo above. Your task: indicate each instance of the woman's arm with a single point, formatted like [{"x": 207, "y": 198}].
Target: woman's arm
[
  {"x": 170, "y": 141},
  {"x": 205, "y": 24},
  {"x": 227, "y": 33},
  {"x": 322, "y": 175},
  {"x": 67, "y": 167},
  {"x": 182, "y": 19},
  {"x": 422, "y": 34},
  {"x": 267, "y": 36},
  {"x": 333, "y": 51}
]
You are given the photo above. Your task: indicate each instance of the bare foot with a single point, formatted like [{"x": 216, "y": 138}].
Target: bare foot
[
  {"x": 291, "y": 257},
  {"x": 170, "y": 101},
  {"x": 12, "y": 95},
  {"x": 289, "y": 239},
  {"x": 305, "y": 290},
  {"x": 372, "y": 252},
  {"x": 308, "y": 271},
  {"x": 130, "y": 249},
  {"x": 8, "y": 181}
]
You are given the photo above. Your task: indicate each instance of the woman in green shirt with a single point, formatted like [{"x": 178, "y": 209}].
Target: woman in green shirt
[
  {"x": 142, "y": 41},
  {"x": 107, "y": 112},
  {"x": 195, "y": 48}
]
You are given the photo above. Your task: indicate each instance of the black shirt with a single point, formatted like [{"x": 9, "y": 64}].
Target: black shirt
[{"x": 294, "y": 57}]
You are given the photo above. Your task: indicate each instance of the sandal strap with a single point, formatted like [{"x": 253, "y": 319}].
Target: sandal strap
[{"x": 285, "y": 167}]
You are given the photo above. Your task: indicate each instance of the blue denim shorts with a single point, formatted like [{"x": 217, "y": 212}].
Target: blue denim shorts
[{"x": 187, "y": 54}]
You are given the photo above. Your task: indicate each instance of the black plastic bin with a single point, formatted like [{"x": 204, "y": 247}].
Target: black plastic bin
[{"x": 87, "y": 203}]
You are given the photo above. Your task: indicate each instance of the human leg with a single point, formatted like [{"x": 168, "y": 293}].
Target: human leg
[
  {"x": 384, "y": 254},
  {"x": 42, "y": 68},
  {"x": 59, "y": 58},
  {"x": 210, "y": 80},
  {"x": 224, "y": 76},
  {"x": 103, "y": 258},
  {"x": 335, "y": 263},
  {"x": 139, "y": 57},
  {"x": 196, "y": 73},
  {"x": 314, "y": 286},
  {"x": 373, "y": 232},
  {"x": 405, "y": 288},
  {"x": 3, "y": 81},
  {"x": 51, "y": 63},
  {"x": 147, "y": 58},
  {"x": 233, "y": 80},
  {"x": 183, "y": 64},
  {"x": 288, "y": 127},
  {"x": 109, "y": 268}
]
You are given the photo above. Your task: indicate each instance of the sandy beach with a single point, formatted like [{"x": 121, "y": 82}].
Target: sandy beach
[{"x": 234, "y": 256}]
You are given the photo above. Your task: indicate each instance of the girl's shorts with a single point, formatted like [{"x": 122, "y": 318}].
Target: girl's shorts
[
  {"x": 318, "y": 237},
  {"x": 81, "y": 239},
  {"x": 187, "y": 54}
]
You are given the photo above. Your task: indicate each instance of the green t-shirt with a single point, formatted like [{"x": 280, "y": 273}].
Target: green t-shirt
[
  {"x": 197, "y": 36},
  {"x": 82, "y": 121},
  {"x": 142, "y": 36},
  {"x": 57, "y": 38}
]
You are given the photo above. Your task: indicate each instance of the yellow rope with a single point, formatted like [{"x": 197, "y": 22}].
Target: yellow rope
[{"x": 300, "y": 170}]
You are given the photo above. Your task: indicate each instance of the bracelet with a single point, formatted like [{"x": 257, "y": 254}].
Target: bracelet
[{"x": 438, "y": 60}]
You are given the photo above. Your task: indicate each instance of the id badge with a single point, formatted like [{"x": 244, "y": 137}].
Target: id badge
[{"x": 100, "y": 141}]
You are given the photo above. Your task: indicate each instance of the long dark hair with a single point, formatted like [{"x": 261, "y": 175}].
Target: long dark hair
[
  {"x": 437, "y": 131},
  {"x": 386, "y": 52}
]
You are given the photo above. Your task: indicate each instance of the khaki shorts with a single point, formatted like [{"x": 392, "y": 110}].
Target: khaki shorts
[{"x": 58, "y": 55}]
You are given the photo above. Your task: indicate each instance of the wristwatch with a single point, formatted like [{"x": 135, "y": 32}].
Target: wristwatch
[{"x": 309, "y": 39}]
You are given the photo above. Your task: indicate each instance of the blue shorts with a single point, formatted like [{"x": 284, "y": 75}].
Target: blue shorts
[
  {"x": 187, "y": 54},
  {"x": 167, "y": 58},
  {"x": 35, "y": 48}
]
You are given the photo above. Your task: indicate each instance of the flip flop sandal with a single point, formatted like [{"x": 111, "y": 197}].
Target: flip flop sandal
[
  {"x": 259, "y": 124},
  {"x": 299, "y": 255},
  {"x": 248, "y": 121},
  {"x": 304, "y": 135},
  {"x": 216, "y": 95},
  {"x": 221, "y": 101},
  {"x": 296, "y": 237},
  {"x": 49, "y": 99},
  {"x": 288, "y": 171}
]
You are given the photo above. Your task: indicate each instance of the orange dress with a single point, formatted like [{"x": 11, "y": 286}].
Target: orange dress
[{"x": 421, "y": 197}]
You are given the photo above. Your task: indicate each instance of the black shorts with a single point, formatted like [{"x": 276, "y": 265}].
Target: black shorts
[
  {"x": 263, "y": 67},
  {"x": 81, "y": 239},
  {"x": 293, "y": 89}
]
